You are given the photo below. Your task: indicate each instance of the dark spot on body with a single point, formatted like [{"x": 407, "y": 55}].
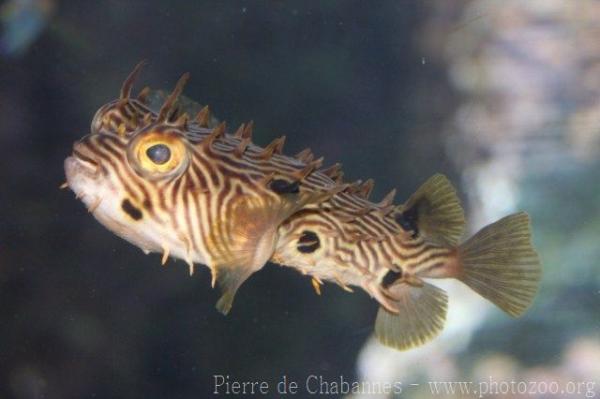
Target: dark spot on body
[
  {"x": 147, "y": 204},
  {"x": 131, "y": 210},
  {"x": 409, "y": 219},
  {"x": 281, "y": 186},
  {"x": 390, "y": 278},
  {"x": 309, "y": 242}
]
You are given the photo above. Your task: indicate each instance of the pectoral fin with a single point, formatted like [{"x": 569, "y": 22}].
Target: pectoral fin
[
  {"x": 421, "y": 316},
  {"x": 242, "y": 245},
  {"x": 229, "y": 280},
  {"x": 245, "y": 240}
]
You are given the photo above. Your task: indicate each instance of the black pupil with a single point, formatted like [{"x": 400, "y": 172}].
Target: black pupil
[{"x": 159, "y": 154}]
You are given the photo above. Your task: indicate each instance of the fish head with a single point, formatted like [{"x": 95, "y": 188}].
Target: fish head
[
  {"x": 133, "y": 172},
  {"x": 131, "y": 182}
]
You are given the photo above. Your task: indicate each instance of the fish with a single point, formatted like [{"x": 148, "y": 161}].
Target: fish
[{"x": 176, "y": 182}]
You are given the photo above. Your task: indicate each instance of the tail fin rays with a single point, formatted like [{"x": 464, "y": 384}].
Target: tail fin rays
[{"x": 500, "y": 264}]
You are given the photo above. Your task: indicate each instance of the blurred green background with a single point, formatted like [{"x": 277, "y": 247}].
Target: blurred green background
[{"x": 501, "y": 96}]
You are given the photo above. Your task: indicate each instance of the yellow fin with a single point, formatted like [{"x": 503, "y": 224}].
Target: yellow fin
[
  {"x": 500, "y": 264},
  {"x": 422, "y": 314},
  {"x": 246, "y": 245},
  {"x": 229, "y": 280},
  {"x": 245, "y": 239},
  {"x": 434, "y": 212}
]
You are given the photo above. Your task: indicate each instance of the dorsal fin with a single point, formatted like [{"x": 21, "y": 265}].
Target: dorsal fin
[{"x": 434, "y": 212}]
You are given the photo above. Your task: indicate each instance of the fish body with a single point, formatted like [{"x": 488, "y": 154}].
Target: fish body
[
  {"x": 393, "y": 266},
  {"x": 189, "y": 189}
]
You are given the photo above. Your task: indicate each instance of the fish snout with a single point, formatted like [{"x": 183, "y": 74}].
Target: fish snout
[{"x": 84, "y": 154}]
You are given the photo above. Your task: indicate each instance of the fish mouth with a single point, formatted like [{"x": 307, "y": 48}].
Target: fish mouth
[
  {"x": 81, "y": 162},
  {"x": 83, "y": 177},
  {"x": 80, "y": 168},
  {"x": 80, "y": 165},
  {"x": 84, "y": 160}
]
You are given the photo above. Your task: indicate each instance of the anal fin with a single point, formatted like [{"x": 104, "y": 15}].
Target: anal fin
[{"x": 421, "y": 316}]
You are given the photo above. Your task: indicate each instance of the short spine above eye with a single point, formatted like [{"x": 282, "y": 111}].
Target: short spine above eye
[{"x": 159, "y": 154}]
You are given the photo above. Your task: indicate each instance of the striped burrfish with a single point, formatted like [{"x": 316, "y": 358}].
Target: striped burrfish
[{"x": 182, "y": 185}]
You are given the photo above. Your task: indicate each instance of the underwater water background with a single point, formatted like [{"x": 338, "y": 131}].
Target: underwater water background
[{"x": 502, "y": 97}]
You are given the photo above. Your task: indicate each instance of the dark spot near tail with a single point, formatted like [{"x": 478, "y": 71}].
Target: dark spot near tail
[
  {"x": 309, "y": 242},
  {"x": 131, "y": 210},
  {"x": 390, "y": 278},
  {"x": 281, "y": 186},
  {"x": 409, "y": 219}
]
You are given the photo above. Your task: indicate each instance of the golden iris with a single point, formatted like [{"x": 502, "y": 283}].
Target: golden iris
[{"x": 158, "y": 153}]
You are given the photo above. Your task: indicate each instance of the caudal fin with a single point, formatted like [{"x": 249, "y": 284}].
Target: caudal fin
[
  {"x": 500, "y": 264},
  {"x": 421, "y": 316}
]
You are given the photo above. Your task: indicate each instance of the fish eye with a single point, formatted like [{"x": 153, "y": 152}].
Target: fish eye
[{"x": 159, "y": 153}]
